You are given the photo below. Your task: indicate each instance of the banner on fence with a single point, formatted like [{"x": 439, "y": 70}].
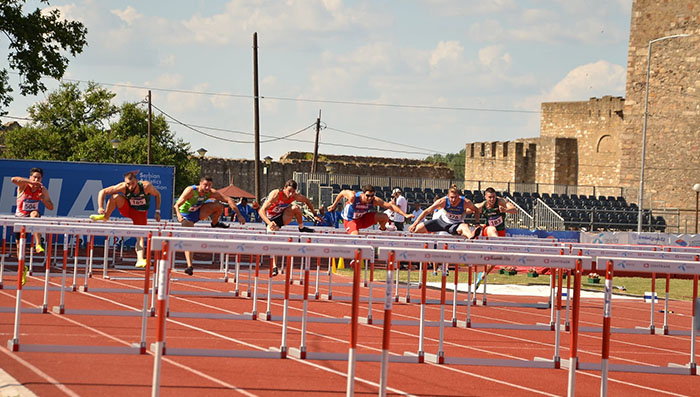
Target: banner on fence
[
  {"x": 682, "y": 240},
  {"x": 561, "y": 235},
  {"x": 73, "y": 186}
]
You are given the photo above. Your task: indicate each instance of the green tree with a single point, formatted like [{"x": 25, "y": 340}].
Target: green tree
[
  {"x": 38, "y": 41},
  {"x": 74, "y": 125},
  {"x": 452, "y": 160}
]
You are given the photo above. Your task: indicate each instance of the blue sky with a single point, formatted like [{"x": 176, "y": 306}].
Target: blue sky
[{"x": 431, "y": 75}]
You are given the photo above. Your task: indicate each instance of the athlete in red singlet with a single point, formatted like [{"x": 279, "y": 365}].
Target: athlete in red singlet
[{"x": 30, "y": 192}]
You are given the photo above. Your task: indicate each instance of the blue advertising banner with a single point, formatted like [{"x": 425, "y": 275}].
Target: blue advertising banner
[
  {"x": 73, "y": 186},
  {"x": 561, "y": 235}
]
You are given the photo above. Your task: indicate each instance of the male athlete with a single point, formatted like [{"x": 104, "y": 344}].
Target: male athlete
[
  {"x": 194, "y": 205},
  {"x": 493, "y": 211},
  {"x": 356, "y": 213},
  {"x": 30, "y": 192},
  {"x": 132, "y": 197},
  {"x": 454, "y": 208},
  {"x": 278, "y": 210}
]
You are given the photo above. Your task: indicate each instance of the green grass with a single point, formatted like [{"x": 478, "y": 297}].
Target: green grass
[{"x": 635, "y": 286}]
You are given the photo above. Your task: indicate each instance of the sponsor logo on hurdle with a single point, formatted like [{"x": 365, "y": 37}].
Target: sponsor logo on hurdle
[
  {"x": 404, "y": 255},
  {"x": 682, "y": 268}
]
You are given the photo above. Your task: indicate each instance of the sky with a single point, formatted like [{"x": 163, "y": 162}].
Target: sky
[{"x": 389, "y": 78}]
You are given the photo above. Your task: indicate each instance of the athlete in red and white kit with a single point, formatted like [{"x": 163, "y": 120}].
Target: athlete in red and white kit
[{"x": 30, "y": 192}]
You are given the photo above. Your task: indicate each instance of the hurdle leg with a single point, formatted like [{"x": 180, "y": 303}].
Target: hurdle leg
[
  {"x": 573, "y": 346},
  {"x": 291, "y": 270},
  {"x": 557, "y": 329},
  {"x": 552, "y": 294},
  {"x": 250, "y": 272},
  {"x": 567, "y": 325},
  {"x": 236, "y": 276},
  {"x": 75, "y": 262},
  {"x": 386, "y": 333},
  {"x": 605, "y": 355},
  {"x": 62, "y": 301},
  {"x": 396, "y": 283},
  {"x": 408, "y": 283},
  {"x": 49, "y": 246},
  {"x": 88, "y": 264},
  {"x": 366, "y": 269},
  {"x": 421, "y": 332},
  {"x": 2, "y": 260},
  {"x": 255, "y": 286},
  {"x": 485, "y": 283},
  {"x": 454, "y": 297},
  {"x": 121, "y": 248},
  {"x": 694, "y": 326},
  {"x": 441, "y": 352},
  {"x": 163, "y": 279},
  {"x": 285, "y": 307},
  {"x": 354, "y": 314},
  {"x": 305, "y": 267},
  {"x": 146, "y": 282},
  {"x": 318, "y": 275},
  {"x": 92, "y": 247},
  {"x": 268, "y": 314},
  {"x": 13, "y": 344},
  {"x": 30, "y": 266},
  {"x": 330, "y": 280},
  {"x": 369, "y": 298},
  {"x": 105, "y": 258},
  {"x": 652, "y": 327},
  {"x": 226, "y": 267},
  {"x": 668, "y": 285},
  {"x": 468, "y": 320}
]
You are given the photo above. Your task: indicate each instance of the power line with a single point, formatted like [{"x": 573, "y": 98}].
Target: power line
[{"x": 382, "y": 140}]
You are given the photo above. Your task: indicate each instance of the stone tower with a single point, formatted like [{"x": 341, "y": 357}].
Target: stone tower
[{"x": 673, "y": 127}]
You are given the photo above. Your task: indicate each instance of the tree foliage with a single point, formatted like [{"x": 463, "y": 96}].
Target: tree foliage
[
  {"x": 452, "y": 160},
  {"x": 38, "y": 41},
  {"x": 75, "y": 125}
]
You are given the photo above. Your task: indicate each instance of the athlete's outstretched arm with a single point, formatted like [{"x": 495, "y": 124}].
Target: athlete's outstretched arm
[
  {"x": 186, "y": 195},
  {"x": 346, "y": 194},
  {"x": 268, "y": 202},
  {"x": 216, "y": 195},
  {"x": 391, "y": 206},
  {"x": 108, "y": 192},
  {"x": 151, "y": 190}
]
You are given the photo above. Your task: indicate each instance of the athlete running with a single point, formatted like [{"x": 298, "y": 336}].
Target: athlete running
[{"x": 356, "y": 213}]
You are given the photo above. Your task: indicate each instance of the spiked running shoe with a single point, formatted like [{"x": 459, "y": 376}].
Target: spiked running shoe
[
  {"x": 189, "y": 271},
  {"x": 479, "y": 280},
  {"x": 97, "y": 217},
  {"x": 275, "y": 271},
  {"x": 39, "y": 249},
  {"x": 221, "y": 225},
  {"x": 477, "y": 232},
  {"x": 24, "y": 274},
  {"x": 306, "y": 229},
  {"x": 140, "y": 263}
]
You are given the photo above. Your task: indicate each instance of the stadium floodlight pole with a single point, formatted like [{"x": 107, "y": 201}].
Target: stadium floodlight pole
[{"x": 640, "y": 197}]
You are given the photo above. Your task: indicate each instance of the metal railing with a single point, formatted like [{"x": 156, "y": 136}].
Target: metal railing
[
  {"x": 546, "y": 218},
  {"x": 520, "y": 220}
]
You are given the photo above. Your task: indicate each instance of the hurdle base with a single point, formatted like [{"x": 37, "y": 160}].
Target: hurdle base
[
  {"x": 214, "y": 316},
  {"x": 59, "y": 309},
  {"x": 539, "y": 305},
  {"x": 31, "y": 310},
  {"x": 409, "y": 323},
  {"x": 13, "y": 345},
  {"x": 76, "y": 349},
  {"x": 141, "y": 346},
  {"x": 527, "y": 327},
  {"x": 219, "y": 353},
  {"x": 644, "y": 369},
  {"x": 489, "y": 362},
  {"x": 328, "y": 320}
]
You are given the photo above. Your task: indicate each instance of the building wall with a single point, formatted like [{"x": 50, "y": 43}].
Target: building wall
[
  {"x": 673, "y": 128},
  {"x": 242, "y": 172},
  {"x": 596, "y": 124}
]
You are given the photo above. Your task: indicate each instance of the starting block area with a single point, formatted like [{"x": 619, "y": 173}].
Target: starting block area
[{"x": 214, "y": 341}]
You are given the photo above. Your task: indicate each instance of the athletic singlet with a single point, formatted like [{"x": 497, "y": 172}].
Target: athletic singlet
[
  {"x": 138, "y": 201},
  {"x": 194, "y": 202},
  {"x": 454, "y": 214},
  {"x": 27, "y": 201},
  {"x": 280, "y": 205},
  {"x": 494, "y": 217},
  {"x": 356, "y": 209}
]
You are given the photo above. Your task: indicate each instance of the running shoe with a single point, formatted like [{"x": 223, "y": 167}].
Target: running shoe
[
  {"x": 221, "y": 225},
  {"x": 477, "y": 232},
  {"x": 479, "y": 280},
  {"x": 24, "y": 274},
  {"x": 39, "y": 249},
  {"x": 189, "y": 271},
  {"x": 97, "y": 217},
  {"x": 275, "y": 271},
  {"x": 142, "y": 263},
  {"x": 306, "y": 230}
]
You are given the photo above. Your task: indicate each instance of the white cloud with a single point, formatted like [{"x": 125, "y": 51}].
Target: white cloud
[
  {"x": 128, "y": 15},
  {"x": 493, "y": 56},
  {"x": 167, "y": 60},
  {"x": 460, "y": 8},
  {"x": 446, "y": 51},
  {"x": 583, "y": 82}
]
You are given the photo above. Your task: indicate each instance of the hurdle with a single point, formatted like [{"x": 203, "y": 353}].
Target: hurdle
[
  {"x": 597, "y": 252},
  {"x": 459, "y": 257},
  {"x": 14, "y": 344},
  {"x": 170, "y": 245},
  {"x": 642, "y": 265}
]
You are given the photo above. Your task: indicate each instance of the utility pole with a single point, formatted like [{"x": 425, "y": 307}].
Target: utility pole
[
  {"x": 256, "y": 100},
  {"x": 318, "y": 129},
  {"x": 150, "y": 117}
]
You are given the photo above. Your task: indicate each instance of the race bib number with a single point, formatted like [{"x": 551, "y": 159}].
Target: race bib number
[
  {"x": 30, "y": 205},
  {"x": 137, "y": 201},
  {"x": 194, "y": 208},
  {"x": 495, "y": 221},
  {"x": 453, "y": 217}
]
